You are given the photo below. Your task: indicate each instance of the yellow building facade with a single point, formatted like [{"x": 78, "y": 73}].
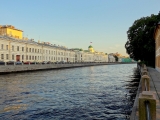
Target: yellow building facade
[
  {"x": 10, "y": 30},
  {"x": 157, "y": 46}
]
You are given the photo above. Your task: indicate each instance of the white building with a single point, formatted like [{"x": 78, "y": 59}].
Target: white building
[
  {"x": 89, "y": 55},
  {"x": 12, "y": 49},
  {"x": 111, "y": 57}
]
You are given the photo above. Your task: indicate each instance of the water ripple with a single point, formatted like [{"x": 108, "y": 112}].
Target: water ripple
[{"x": 86, "y": 93}]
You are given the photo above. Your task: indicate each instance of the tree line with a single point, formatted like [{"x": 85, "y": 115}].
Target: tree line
[{"x": 141, "y": 44}]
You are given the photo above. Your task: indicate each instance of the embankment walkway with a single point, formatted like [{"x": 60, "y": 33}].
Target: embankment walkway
[{"x": 155, "y": 87}]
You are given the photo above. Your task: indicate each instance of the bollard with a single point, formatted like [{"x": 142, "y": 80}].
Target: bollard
[
  {"x": 145, "y": 82},
  {"x": 144, "y": 72},
  {"x": 151, "y": 99},
  {"x": 144, "y": 67}
]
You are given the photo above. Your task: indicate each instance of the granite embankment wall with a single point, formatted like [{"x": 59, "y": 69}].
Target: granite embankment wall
[
  {"x": 134, "y": 113},
  {"x": 154, "y": 83},
  {"x": 32, "y": 67}
]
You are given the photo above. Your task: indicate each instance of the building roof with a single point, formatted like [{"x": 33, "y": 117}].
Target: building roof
[
  {"x": 9, "y": 26},
  {"x": 86, "y": 51},
  {"x": 90, "y": 46}
]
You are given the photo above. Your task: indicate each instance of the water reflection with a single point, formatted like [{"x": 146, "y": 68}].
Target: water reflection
[{"x": 97, "y": 92}]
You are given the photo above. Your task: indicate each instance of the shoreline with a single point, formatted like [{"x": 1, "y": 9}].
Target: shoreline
[{"x": 5, "y": 69}]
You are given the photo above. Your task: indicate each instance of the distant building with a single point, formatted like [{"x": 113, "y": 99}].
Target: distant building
[
  {"x": 89, "y": 55},
  {"x": 10, "y": 30},
  {"x": 157, "y": 49},
  {"x": 124, "y": 59},
  {"x": 14, "y": 47},
  {"x": 111, "y": 57}
]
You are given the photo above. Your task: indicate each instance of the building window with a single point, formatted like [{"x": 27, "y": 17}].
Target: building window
[
  {"x": 29, "y": 57},
  {"x": 17, "y": 48},
  {"x": 6, "y": 47},
  {"x": 2, "y": 46},
  {"x": 12, "y": 48},
  {"x": 35, "y": 50},
  {"x": 32, "y": 49},
  {"x": 22, "y": 48},
  {"x": 12, "y": 57},
  {"x": 35, "y": 57},
  {"x": 26, "y": 57},
  {"x": 7, "y": 57},
  {"x": 2, "y": 56},
  {"x": 27, "y": 49},
  {"x": 32, "y": 57},
  {"x": 22, "y": 57}
]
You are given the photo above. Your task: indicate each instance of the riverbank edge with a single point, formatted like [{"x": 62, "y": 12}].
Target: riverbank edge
[
  {"x": 5, "y": 69},
  {"x": 151, "y": 73},
  {"x": 134, "y": 113}
]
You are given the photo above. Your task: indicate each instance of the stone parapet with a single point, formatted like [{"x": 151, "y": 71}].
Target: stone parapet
[{"x": 147, "y": 97}]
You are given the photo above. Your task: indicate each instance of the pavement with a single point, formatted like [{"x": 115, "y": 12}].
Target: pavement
[{"x": 155, "y": 87}]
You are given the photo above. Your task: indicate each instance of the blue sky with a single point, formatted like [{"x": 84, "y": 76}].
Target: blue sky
[{"x": 76, "y": 23}]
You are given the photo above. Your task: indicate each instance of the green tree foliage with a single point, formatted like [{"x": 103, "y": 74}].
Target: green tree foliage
[
  {"x": 116, "y": 58},
  {"x": 141, "y": 43}
]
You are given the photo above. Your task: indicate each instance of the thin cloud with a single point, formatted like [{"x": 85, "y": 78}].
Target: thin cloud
[
  {"x": 111, "y": 47},
  {"x": 117, "y": 45}
]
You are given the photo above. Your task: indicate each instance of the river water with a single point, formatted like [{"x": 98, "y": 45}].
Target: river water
[{"x": 103, "y": 92}]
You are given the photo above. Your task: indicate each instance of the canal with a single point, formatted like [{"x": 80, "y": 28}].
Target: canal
[{"x": 103, "y": 92}]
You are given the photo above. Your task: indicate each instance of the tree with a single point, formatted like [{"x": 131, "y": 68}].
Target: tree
[
  {"x": 116, "y": 58},
  {"x": 141, "y": 44}
]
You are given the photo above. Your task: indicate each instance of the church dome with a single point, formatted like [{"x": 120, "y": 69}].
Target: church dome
[{"x": 90, "y": 46}]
